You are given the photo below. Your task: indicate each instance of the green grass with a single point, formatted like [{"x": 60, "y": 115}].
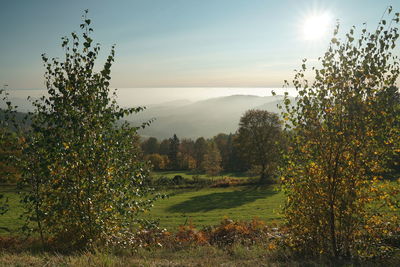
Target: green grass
[
  {"x": 203, "y": 207},
  {"x": 210, "y": 205},
  {"x": 10, "y": 222}
]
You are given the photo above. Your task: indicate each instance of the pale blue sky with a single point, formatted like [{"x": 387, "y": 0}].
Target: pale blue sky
[{"x": 173, "y": 43}]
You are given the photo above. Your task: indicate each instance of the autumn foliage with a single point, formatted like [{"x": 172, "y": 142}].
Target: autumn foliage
[{"x": 342, "y": 135}]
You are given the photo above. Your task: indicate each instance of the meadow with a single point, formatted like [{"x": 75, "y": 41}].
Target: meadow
[
  {"x": 200, "y": 207},
  {"x": 208, "y": 206},
  {"x": 10, "y": 222}
]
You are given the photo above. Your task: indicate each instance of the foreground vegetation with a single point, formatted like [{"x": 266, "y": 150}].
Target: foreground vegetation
[
  {"x": 236, "y": 243},
  {"x": 194, "y": 256}
]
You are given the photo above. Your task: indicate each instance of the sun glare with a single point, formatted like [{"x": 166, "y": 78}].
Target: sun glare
[{"x": 316, "y": 26}]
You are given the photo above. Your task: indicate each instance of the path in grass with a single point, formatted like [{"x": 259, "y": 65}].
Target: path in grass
[{"x": 210, "y": 205}]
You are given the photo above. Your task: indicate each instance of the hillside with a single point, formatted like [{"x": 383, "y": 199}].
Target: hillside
[
  {"x": 203, "y": 118},
  {"x": 194, "y": 119}
]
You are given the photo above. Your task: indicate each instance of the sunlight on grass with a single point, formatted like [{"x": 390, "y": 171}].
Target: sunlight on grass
[{"x": 209, "y": 206}]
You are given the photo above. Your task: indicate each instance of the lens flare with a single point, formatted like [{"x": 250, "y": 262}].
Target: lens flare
[{"x": 316, "y": 26}]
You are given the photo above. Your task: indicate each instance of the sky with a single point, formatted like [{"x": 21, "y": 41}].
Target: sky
[{"x": 177, "y": 43}]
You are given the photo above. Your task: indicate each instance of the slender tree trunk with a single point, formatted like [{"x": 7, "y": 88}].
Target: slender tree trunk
[
  {"x": 263, "y": 177},
  {"x": 333, "y": 231},
  {"x": 37, "y": 209}
]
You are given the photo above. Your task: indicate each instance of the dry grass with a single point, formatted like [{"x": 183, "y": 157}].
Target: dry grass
[
  {"x": 192, "y": 256},
  {"x": 201, "y": 256}
]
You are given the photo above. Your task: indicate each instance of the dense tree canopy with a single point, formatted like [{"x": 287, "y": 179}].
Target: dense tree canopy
[
  {"x": 212, "y": 160},
  {"x": 150, "y": 146},
  {"x": 259, "y": 140}
]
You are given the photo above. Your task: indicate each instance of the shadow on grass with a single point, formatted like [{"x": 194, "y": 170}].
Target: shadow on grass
[{"x": 222, "y": 200}]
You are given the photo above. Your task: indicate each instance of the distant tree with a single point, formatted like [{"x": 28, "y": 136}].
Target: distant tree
[
  {"x": 9, "y": 140},
  {"x": 9, "y": 151},
  {"x": 159, "y": 162},
  {"x": 200, "y": 149},
  {"x": 9, "y": 147},
  {"x": 173, "y": 152},
  {"x": 237, "y": 161},
  {"x": 164, "y": 147},
  {"x": 212, "y": 160},
  {"x": 186, "y": 154},
  {"x": 224, "y": 144},
  {"x": 186, "y": 162},
  {"x": 259, "y": 141},
  {"x": 186, "y": 146},
  {"x": 150, "y": 146}
]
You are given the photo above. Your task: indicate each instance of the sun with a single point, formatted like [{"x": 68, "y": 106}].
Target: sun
[{"x": 316, "y": 26}]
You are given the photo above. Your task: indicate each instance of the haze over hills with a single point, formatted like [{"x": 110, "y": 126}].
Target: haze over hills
[
  {"x": 131, "y": 97},
  {"x": 202, "y": 118},
  {"x": 188, "y": 116}
]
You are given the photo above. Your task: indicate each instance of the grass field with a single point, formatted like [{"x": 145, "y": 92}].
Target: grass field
[
  {"x": 201, "y": 207},
  {"x": 10, "y": 222},
  {"x": 209, "y": 206}
]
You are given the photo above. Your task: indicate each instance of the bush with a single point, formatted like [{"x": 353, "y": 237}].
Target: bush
[
  {"x": 225, "y": 235},
  {"x": 178, "y": 180}
]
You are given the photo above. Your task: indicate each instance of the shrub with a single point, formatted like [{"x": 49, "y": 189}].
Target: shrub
[
  {"x": 178, "y": 180},
  {"x": 230, "y": 232}
]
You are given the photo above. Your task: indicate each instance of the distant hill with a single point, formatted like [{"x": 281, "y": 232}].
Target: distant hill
[
  {"x": 203, "y": 118},
  {"x": 189, "y": 119}
]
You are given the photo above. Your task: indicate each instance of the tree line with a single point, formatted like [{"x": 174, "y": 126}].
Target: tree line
[{"x": 256, "y": 148}]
